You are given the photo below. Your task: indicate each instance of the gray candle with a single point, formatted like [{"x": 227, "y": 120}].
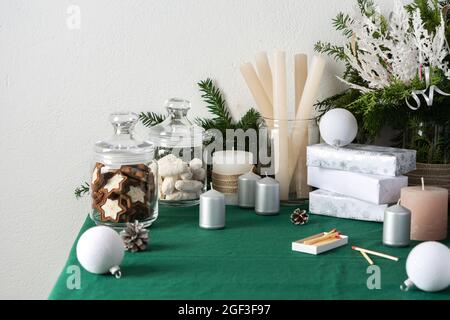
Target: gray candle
[
  {"x": 267, "y": 196},
  {"x": 212, "y": 210},
  {"x": 396, "y": 226},
  {"x": 246, "y": 189}
]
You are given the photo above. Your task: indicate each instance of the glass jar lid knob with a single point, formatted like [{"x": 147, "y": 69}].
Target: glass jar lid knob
[
  {"x": 123, "y": 122},
  {"x": 178, "y": 107}
]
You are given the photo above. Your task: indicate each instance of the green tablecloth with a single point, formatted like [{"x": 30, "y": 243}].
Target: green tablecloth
[{"x": 250, "y": 259}]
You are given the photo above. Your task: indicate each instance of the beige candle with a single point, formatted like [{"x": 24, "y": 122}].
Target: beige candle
[
  {"x": 305, "y": 110},
  {"x": 300, "y": 74},
  {"x": 280, "y": 113},
  {"x": 429, "y": 211},
  {"x": 264, "y": 73},
  {"x": 257, "y": 90}
]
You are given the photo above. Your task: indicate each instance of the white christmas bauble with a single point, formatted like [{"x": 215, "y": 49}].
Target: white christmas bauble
[
  {"x": 338, "y": 127},
  {"x": 100, "y": 250},
  {"x": 428, "y": 267}
]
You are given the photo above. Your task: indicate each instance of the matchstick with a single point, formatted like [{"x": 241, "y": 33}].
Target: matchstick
[
  {"x": 370, "y": 261},
  {"x": 327, "y": 236},
  {"x": 327, "y": 241},
  {"x": 375, "y": 253}
]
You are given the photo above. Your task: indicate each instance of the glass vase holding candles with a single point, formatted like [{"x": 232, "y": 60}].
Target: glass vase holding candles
[
  {"x": 124, "y": 177},
  {"x": 285, "y": 158},
  {"x": 179, "y": 151}
]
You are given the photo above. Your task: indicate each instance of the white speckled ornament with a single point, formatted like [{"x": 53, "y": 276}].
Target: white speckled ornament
[
  {"x": 100, "y": 250},
  {"x": 338, "y": 127}
]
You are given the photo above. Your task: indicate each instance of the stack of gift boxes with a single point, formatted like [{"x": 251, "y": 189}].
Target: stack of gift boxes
[{"x": 356, "y": 181}]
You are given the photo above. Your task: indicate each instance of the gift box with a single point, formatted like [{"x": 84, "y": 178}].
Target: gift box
[
  {"x": 337, "y": 205},
  {"x": 362, "y": 158},
  {"x": 368, "y": 187}
]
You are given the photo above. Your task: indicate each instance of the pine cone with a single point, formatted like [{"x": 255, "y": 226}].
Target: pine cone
[
  {"x": 134, "y": 236},
  {"x": 299, "y": 217}
]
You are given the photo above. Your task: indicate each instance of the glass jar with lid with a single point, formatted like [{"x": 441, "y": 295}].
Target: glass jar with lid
[
  {"x": 179, "y": 151},
  {"x": 124, "y": 177}
]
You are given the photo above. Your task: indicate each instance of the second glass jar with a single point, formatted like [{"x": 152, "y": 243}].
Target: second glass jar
[{"x": 179, "y": 151}]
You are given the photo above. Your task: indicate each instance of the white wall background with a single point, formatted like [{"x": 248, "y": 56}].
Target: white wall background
[{"x": 57, "y": 87}]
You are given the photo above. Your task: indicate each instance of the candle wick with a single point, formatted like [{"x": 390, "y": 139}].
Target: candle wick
[
  {"x": 253, "y": 167},
  {"x": 398, "y": 202},
  {"x": 266, "y": 173},
  {"x": 423, "y": 183},
  {"x": 211, "y": 185}
]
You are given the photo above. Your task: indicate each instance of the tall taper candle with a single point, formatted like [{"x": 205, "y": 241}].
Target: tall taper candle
[
  {"x": 257, "y": 90},
  {"x": 281, "y": 128},
  {"x": 305, "y": 110},
  {"x": 300, "y": 75},
  {"x": 264, "y": 73}
]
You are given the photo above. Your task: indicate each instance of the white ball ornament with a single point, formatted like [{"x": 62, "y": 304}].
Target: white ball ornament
[
  {"x": 100, "y": 250},
  {"x": 338, "y": 127},
  {"x": 428, "y": 267}
]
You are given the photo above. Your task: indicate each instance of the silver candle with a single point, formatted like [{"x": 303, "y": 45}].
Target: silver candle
[
  {"x": 267, "y": 196},
  {"x": 212, "y": 210},
  {"x": 396, "y": 226},
  {"x": 246, "y": 189}
]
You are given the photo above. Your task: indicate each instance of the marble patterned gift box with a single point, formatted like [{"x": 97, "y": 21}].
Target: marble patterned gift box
[
  {"x": 362, "y": 158},
  {"x": 337, "y": 205},
  {"x": 367, "y": 187}
]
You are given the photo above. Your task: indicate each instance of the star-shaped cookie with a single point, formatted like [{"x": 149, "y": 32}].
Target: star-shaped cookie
[
  {"x": 111, "y": 210},
  {"x": 136, "y": 194},
  {"x": 115, "y": 183}
]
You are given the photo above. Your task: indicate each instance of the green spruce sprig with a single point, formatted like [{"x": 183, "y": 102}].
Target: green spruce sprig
[
  {"x": 149, "y": 119},
  {"x": 82, "y": 190},
  {"x": 215, "y": 103}
]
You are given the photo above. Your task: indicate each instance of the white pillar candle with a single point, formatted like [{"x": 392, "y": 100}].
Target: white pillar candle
[{"x": 232, "y": 162}]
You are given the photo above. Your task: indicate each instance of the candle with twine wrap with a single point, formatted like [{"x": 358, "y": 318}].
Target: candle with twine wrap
[{"x": 228, "y": 165}]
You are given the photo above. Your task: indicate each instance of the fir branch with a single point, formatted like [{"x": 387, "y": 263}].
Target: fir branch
[
  {"x": 250, "y": 120},
  {"x": 335, "y": 51},
  {"x": 149, "y": 119},
  {"x": 215, "y": 103},
  {"x": 430, "y": 12},
  {"x": 82, "y": 190},
  {"x": 206, "y": 124},
  {"x": 340, "y": 23},
  {"x": 366, "y": 7}
]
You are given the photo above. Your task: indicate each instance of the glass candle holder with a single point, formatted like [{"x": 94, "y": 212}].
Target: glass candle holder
[{"x": 282, "y": 154}]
